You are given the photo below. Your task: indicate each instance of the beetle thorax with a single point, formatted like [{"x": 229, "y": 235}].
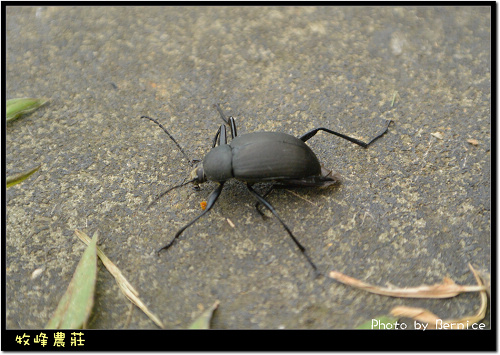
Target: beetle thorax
[{"x": 218, "y": 165}]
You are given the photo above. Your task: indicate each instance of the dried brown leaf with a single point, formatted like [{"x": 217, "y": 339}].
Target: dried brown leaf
[
  {"x": 446, "y": 289},
  {"x": 433, "y": 321},
  {"x": 438, "y": 135},
  {"x": 420, "y": 314},
  {"x": 230, "y": 222}
]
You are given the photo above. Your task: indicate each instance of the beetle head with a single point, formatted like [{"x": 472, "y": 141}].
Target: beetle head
[{"x": 197, "y": 175}]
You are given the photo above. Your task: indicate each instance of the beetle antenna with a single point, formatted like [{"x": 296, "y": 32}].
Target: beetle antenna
[
  {"x": 166, "y": 192},
  {"x": 172, "y": 138}
]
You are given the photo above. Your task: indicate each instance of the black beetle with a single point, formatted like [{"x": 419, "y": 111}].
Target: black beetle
[{"x": 274, "y": 157}]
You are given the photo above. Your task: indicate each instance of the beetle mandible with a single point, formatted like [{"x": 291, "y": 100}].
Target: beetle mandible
[{"x": 272, "y": 157}]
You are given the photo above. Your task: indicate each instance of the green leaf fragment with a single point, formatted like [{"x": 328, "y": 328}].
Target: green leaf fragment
[
  {"x": 76, "y": 304},
  {"x": 17, "y": 178},
  {"x": 21, "y": 106},
  {"x": 383, "y": 322},
  {"x": 203, "y": 321},
  {"x": 394, "y": 98}
]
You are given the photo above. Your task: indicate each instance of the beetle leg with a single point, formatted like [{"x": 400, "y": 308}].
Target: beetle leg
[
  {"x": 313, "y": 132},
  {"x": 257, "y": 204},
  {"x": 220, "y": 136},
  {"x": 223, "y": 135},
  {"x": 210, "y": 203},
  {"x": 232, "y": 124},
  {"x": 271, "y": 208},
  {"x": 216, "y": 138}
]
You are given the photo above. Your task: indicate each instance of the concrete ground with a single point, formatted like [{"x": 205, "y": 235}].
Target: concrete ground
[{"x": 412, "y": 208}]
